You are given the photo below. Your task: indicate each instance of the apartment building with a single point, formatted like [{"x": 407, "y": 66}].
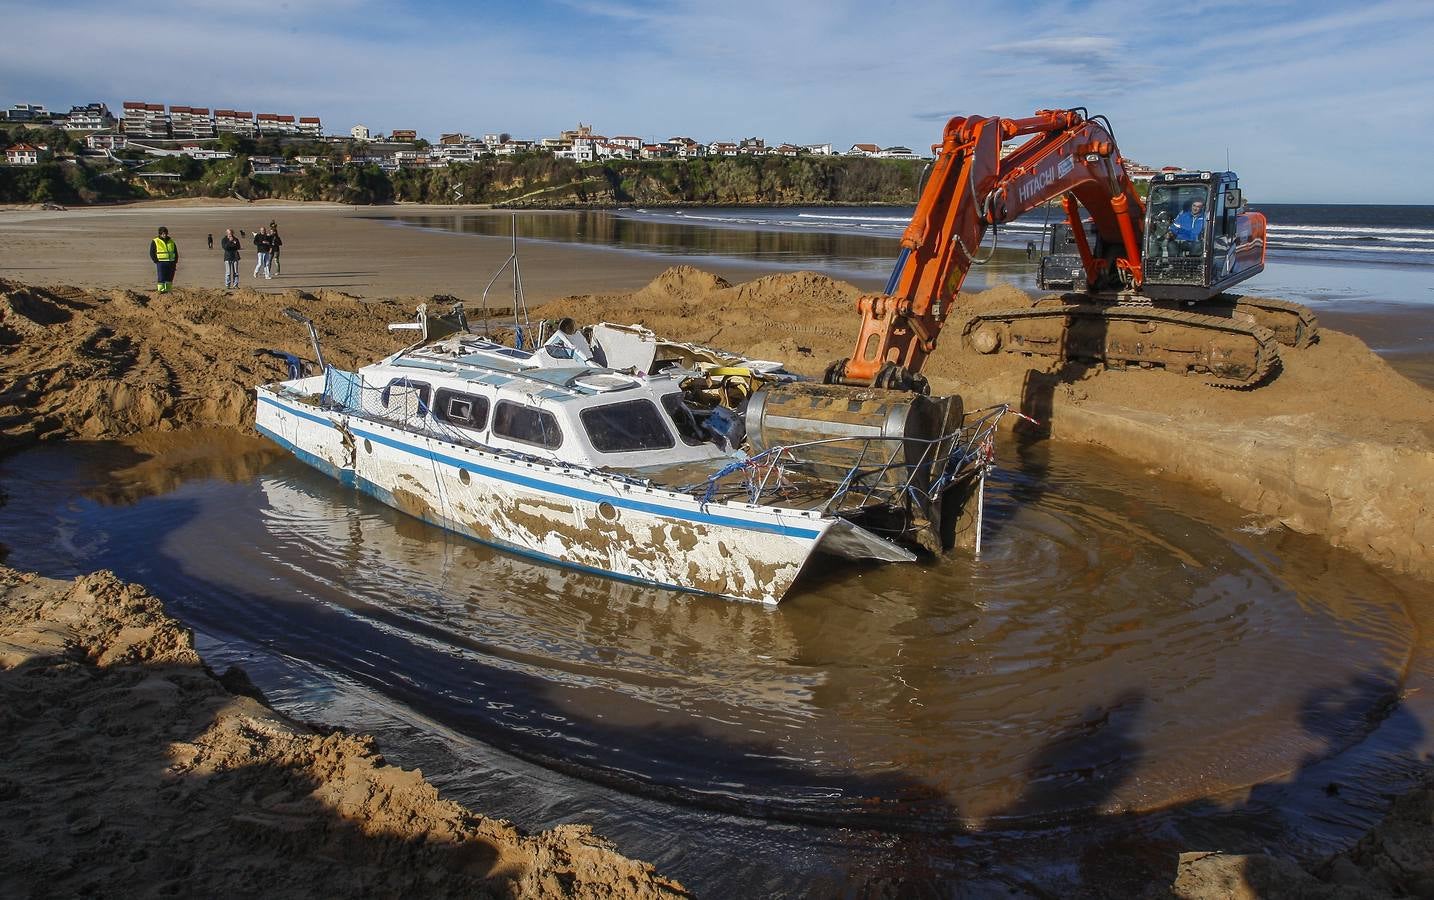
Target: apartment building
[
  {"x": 609, "y": 150},
  {"x": 266, "y": 165},
  {"x": 274, "y": 125},
  {"x": 310, "y": 126},
  {"x": 191, "y": 122},
  {"x": 27, "y": 112},
  {"x": 402, "y": 135},
  {"x": 686, "y": 147},
  {"x": 145, "y": 120},
  {"x": 106, "y": 142},
  {"x": 582, "y": 151},
  {"x": 90, "y": 117},
  {"x": 234, "y": 122}
]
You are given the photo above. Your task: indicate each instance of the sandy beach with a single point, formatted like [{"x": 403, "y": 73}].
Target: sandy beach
[
  {"x": 356, "y": 250},
  {"x": 1340, "y": 445}
]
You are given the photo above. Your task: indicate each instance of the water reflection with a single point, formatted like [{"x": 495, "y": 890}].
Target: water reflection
[
  {"x": 866, "y": 259},
  {"x": 1097, "y": 658}
]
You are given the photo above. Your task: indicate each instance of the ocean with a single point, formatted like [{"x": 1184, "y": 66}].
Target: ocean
[{"x": 1318, "y": 253}]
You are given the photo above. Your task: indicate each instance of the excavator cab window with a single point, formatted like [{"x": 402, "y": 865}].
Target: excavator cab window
[{"x": 1178, "y": 229}]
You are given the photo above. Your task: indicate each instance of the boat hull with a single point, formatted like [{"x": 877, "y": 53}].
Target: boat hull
[{"x": 566, "y": 515}]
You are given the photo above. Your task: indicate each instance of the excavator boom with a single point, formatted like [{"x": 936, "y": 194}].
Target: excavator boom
[{"x": 972, "y": 188}]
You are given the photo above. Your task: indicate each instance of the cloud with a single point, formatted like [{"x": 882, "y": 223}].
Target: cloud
[
  {"x": 1179, "y": 83},
  {"x": 1095, "y": 64}
]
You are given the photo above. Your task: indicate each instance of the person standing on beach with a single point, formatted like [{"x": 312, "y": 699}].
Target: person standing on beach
[
  {"x": 211, "y": 240},
  {"x": 261, "y": 248},
  {"x": 275, "y": 242},
  {"x": 165, "y": 255},
  {"x": 230, "y": 245}
]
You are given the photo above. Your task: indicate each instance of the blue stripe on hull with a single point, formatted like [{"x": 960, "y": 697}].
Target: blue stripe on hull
[
  {"x": 549, "y": 487},
  {"x": 351, "y": 479}
]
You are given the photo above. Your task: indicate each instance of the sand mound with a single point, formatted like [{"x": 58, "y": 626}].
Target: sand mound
[
  {"x": 175, "y": 785},
  {"x": 682, "y": 283},
  {"x": 101, "y": 364}
]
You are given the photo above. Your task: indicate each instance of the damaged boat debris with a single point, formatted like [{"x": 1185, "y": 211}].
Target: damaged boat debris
[{"x": 648, "y": 460}]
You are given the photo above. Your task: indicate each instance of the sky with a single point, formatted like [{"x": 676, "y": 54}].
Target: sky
[{"x": 1310, "y": 101}]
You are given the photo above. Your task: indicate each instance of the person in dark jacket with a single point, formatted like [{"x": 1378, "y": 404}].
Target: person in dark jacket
[
  {"x": 262, "y": 246},
  {"x": 165, "y": 255},
  {"x": 230, "y": 245},
  {"x": 275, "y": 242}
]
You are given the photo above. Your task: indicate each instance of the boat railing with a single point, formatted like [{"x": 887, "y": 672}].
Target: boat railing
[
  {"x": 883, "y": 471},
  {"x": 876, "y": 471}
]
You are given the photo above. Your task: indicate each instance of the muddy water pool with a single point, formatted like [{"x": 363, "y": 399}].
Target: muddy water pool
[{"x": 1129, "y": 660}]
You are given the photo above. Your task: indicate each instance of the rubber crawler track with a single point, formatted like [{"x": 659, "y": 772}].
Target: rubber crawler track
[
  {"x": 1294, "y": 325},
  {"x": 1238, "y": 336}
]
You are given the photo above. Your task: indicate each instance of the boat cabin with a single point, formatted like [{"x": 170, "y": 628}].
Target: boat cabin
[{"x": 472, "y": 390}]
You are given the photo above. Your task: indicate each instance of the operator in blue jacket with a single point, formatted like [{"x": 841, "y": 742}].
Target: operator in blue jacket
[{"x": 1189, "y": 228}]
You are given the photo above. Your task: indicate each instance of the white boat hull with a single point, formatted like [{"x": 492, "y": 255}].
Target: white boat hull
[{"x": 570, "y": 516}]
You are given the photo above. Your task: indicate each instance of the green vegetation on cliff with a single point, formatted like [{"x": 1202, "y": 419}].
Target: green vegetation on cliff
[{"x": 536, "y": 179}]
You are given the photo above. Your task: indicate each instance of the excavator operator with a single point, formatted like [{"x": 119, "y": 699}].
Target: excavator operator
[{"x": 1188, "y": 229}]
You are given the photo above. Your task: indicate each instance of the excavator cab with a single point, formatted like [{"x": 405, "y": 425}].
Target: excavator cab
[
  {"x": 1199, "y": 239},
  {"x": 1061, "y": 267}
]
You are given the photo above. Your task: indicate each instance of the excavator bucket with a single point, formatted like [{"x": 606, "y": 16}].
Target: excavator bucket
[{"x": 892, "y": 452}]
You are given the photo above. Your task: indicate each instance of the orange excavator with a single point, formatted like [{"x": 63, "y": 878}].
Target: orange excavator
[
  {"x": 1145, "y": 281},
  {"x": 1147, "y": 277}
]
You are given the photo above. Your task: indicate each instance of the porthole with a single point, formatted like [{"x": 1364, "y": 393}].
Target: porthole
[
  {"x": 367, "y": 447},
  {"x": 463, "y": 475},
  {"x": 607, "y": 512}
]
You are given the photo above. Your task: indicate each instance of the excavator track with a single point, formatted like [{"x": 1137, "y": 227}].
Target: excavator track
[
  {"x": 1224, "y": 351},
  {"x": 1294, "y": 325}
]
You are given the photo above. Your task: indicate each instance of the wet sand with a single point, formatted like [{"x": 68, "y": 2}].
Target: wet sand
[{"x": 357, "y": 250}]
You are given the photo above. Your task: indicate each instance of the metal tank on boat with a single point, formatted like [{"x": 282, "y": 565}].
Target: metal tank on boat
[{"x": 875, "y": 442}]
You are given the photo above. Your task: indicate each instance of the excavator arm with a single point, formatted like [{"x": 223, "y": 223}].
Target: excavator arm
[{"x": 972, "y": 188}]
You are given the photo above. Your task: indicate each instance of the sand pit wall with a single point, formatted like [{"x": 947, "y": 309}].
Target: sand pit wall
[
  {"x": 1374, "y": 499},
  {"x": 101, "y": 364},
  {"x": 128, "y": 768}
]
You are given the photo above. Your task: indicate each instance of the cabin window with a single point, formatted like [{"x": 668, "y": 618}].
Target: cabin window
[
  {"x": 625, "y": 427},
  {"x": 405, "y": 398},
  {"x": 526, "y": 425},
  {"x": 682, "y": 416},
  {"x": 463, "y": 410}
]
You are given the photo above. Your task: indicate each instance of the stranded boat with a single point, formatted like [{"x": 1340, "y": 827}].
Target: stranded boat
[{"x": 655, "y": 461}]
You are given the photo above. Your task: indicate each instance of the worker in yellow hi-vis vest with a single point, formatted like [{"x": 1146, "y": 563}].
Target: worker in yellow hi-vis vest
[{"x": 166, "y": 260}]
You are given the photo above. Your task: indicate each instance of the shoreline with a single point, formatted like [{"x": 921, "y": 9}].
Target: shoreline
[{"x": 366, "y": 251}]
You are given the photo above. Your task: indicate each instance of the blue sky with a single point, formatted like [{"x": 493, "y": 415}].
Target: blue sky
[{"x": 1314, "y": 101}]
